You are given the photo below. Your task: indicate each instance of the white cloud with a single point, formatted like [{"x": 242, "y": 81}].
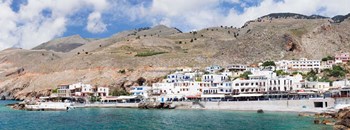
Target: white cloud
[
  {"x": 197, "y": 14},
  {"x": 30, "y": 26},
  {"x": 95, "y": 25}
]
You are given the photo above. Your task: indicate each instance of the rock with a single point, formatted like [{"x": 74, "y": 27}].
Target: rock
[
  {"x": 327, "y": 121},
  {"x": 343, "y": 119},
  {"x": 340, "y": 127},
  {"x": 316, "y": 121},
  {"x": 290, "y": 43},
  {"x": 306, "y": 114},
  {"x": 3, "y": 97},
  {"x": 260, "y": 111},
  {"x": 18, "y": 106}
]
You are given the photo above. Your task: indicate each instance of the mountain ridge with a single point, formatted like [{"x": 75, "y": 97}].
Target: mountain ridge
[{"x": 151, "y": 53}]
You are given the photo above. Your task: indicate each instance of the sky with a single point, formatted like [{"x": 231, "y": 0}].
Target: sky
[{"x": 28, "y": 23}]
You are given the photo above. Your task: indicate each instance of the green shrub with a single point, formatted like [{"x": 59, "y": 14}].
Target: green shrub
[
  {"x": 55, "y": 90},
  {"x": 269, "y": 63},
  {"x": 245, "y": 75},
  {"x": 327, "y": 58},
  {"x": 119, "y": 92},
  {"x": 148, "y": 53},
  {"x": 122, "y": 71}
]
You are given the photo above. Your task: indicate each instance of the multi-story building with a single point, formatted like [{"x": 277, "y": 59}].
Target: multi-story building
[
  {"x": 342, "y": 58},
  {"x": 305, "y": 65},
  {"x": 215, "y": 78},
  {"x": 102, "y": 91},
  {"x": 143, "y": 91},
  {"x": 213, "y": 68},
  {"x": 282, "y": 65},
  {"x": 237, "y": 67},
  {"x": 180, "y": 77},
  {"x": 81, "y": 90},
  {"x": 63, "y": 90},
  {"x": 327, "y": 64}
]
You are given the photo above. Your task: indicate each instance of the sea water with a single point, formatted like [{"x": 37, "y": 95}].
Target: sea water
[{"x": 124, "y": 118}]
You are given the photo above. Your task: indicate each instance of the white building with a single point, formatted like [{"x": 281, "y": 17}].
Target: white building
[
  {"x": 180, "y": 77},
  {"x": 213, "y": 68},
  {"x": 262, "y": 75},
  {"x": 327, "y": 64},
  {"x": 305, "y": 65},
  {"x": 339, "y": 84},
  {"x": 102, "y": 91},
  {"x": 342, "y": 58},
  {"x": 312, "y": 85},
  {"x": 215, "y": 78},
  {"x": 283, "y": 65},
  {"x": 143, "y": 91},
  {"x": 237, "y": 67}
]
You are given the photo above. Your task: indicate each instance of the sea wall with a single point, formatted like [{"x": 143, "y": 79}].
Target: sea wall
[
  {"x": 110, "y": 105},
  {"x": 342, "y": 102},
  {"x": 310, "y": 105}
]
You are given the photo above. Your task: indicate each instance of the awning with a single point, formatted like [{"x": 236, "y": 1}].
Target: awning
[
  {"x": 126, "y": 97},
  {"x": 109, "y": 98},
  {"x": 193, "y": 97},
  {"x": 44, "y": 97},
  {"x": 306, "y": 93},
  {"x": 213, "y": 95},
  {"x": 248, "y": 95}
]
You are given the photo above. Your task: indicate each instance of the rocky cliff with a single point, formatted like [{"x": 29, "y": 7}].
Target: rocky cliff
[{"x": 118, "y": 61}]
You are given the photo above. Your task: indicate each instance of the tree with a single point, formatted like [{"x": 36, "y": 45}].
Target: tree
[
  {"x": 141, "y": 81},
  {"x": 268, "y": 63},
  {"x": 119, "y": 92},
  {"x": 245, "y": 75},
  {"x": 311, "y": 76},
  {"x": 122, "y": 71},
  {"x": 337, "y": 71},
  {"x": 281, "y": 72},
  {"x": 327, "y": 58}
]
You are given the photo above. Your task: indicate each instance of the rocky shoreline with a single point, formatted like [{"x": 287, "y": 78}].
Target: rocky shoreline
[
  {"x": 343, "y": 119},
  {"x": 340, "y": 120}
]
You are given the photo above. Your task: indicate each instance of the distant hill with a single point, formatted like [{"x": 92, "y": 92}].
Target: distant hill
[
  {"x": 292, "y": 15},
  {"x": 64, "y": 44},
  {"x": 340, "y": 18},
  {"x": 118, "y": 61}
]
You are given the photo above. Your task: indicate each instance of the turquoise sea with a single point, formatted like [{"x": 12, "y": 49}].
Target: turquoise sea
[{"x": 113, "y": 118}]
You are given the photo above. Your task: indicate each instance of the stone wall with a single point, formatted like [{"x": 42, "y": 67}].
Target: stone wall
[{"x": 272, "y": 105}]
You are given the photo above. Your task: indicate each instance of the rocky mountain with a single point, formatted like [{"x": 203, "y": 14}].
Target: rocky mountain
[
  {"x": 65, "y": 44},
  {"x": 340, "y": 18},
  {"x": 292, "y": 15},
  {"x": 150, "y": 53}
]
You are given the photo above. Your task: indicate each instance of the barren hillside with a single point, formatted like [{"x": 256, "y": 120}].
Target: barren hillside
[{"x": 154, "y": 52}]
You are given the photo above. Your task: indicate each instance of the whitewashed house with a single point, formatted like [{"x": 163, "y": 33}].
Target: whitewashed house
[
  {"x": 180, "y": 77},
  {"x": 143, "y": 91},
  {"x": 236, "y": 67},
  {"x": 283, "y": 65},
  {"x": 102, "y": 91},
  {"x": 215, "y": 78},
  {"x": 87, "y": 90},
  {"x": 327, "y": 64},
  {"x": 213, "y": 68},
  {"x": 304, "y": 64},
  {"x": 342, "y": 58}
]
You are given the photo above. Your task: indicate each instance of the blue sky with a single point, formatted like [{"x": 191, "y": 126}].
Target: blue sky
[{"x": 28, "y": 23}]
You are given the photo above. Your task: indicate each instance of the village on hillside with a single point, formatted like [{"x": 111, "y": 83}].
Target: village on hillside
[{"x": 284, "y": 79}]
